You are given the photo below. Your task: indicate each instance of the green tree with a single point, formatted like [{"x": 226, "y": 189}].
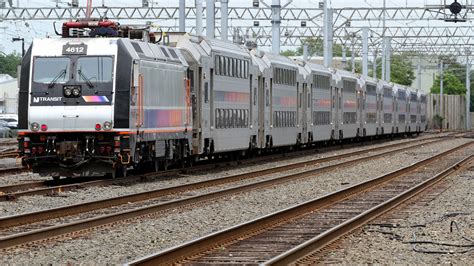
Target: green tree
[
  {"x": 451, "y": 84},
  {"x": 316, "y": 47},
  {"x": 289, "y": 53},
  {"x": 401, "y": 70},
  {"x": 9, "y": 64}
]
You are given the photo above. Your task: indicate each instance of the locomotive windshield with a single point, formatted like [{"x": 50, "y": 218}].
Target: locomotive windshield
[
  {"x": 51, "y": 69},
  {"x": 94, "y": 69}
]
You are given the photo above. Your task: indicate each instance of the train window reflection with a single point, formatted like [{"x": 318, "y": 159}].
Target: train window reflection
[
  {"x": 94, "y": 69},
  {"x": 49, "y": 69}
]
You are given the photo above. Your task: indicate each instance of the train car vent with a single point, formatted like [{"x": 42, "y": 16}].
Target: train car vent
[
  {"x": 173, "y": 53},
  {"x": 164, "y": 52},
  {"x": 137, "y": 47}
]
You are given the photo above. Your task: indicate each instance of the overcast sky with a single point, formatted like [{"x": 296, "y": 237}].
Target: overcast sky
[{"x": 40, "y": 29}]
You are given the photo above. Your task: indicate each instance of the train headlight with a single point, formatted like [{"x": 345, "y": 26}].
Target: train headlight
[
  {"x": 67, "y": 92},
  {"x": 107, "y": 125},
  {"x": 76, "y": 92},
  {"x": 34, "y": 126}
]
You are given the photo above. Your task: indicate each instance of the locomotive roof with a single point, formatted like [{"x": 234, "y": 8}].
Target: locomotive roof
[{"x": 154, "y": 51}]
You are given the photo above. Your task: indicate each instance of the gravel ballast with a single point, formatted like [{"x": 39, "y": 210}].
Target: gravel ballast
[
  {"x": 387, "y": 240},
  {"x": 36, "y": 203},
  {"x": 125, "y": 242}
]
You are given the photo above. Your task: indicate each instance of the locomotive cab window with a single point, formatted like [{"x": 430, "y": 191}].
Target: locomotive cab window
[
  {"x": 94, "y": 69},
  {"x": 48, "y": 69}
]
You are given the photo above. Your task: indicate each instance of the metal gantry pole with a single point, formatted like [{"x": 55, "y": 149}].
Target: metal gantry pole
[
  {"x": 419, "y": 74},
  {"x": 374, "y": 65},
  {"x": 210, "y": 18},
  {"x": 383, "y": 41},
  {"x": 198, "y": 17},
  {"x": 353, "y": 64},
  {"x": 224, "y": 20},
  {"x": 326, "y": 33},
  {"x": 344, "y": 57},
  {"x": 388, "y": 51},
  {"x": 276, "y": 21},
  {"x": 182, "y": 15},
  {"x": 468, "y": 92},
  {"x": 365, "y": 51},
  {"x": 305, "y": 52},
  {"x": 330, "y": 34}
]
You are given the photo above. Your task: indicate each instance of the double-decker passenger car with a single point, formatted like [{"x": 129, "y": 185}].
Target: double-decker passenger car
[{"x": 94, "y": 106}]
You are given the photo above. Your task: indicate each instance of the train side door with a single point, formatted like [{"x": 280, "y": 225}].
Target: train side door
[
  {"x": 379, "y": 110},
  {"x": 304, "y": 115},
  {"x": 195, "y": 108},
  {"x": 335, "y": 98},
  {"x": 363, "y": 111},
  {"x": 261, "y": 111}
]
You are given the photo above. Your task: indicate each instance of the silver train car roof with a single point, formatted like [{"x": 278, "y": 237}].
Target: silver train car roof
[{"x": 199, "y": 46}]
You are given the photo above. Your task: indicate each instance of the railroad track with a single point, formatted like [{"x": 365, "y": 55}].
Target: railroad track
[
  {"x": 8, "y": 154},
  {"x": 16, "y": 230},
  {"x": 292, "y": 235},
  {"x": 15, "y": 169},
  {"x": 49, "y": 187}
]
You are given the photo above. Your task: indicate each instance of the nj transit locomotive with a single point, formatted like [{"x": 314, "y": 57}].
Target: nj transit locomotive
[{"x": 95, "y": 106}]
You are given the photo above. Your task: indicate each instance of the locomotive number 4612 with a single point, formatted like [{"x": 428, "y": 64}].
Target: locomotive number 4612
[{"x": 74, "y": 49}]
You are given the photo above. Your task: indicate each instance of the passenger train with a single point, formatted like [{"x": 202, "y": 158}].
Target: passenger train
[{"x": 95, "y": 106}]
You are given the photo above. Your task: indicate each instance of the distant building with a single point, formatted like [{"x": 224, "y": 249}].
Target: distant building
[
  {"x": 429, "y": 70},
  {"x": 8, "y": 94}
]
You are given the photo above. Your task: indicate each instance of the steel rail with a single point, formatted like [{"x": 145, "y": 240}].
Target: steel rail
[
  {"x": 15, "y": 169},
  {"x": 307, "y": 248},
  {"x": 89, "y": 223},
  {"x": 191, "y": 249},
  {"x": 13, "y": 192},
  {"x": 31, "y": 217}
]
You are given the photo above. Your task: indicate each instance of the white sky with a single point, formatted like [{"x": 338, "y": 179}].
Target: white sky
[{"x": 38, "y": 29}]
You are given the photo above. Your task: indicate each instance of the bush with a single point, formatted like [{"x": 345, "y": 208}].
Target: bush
[{"x": 438, "y": 121}]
